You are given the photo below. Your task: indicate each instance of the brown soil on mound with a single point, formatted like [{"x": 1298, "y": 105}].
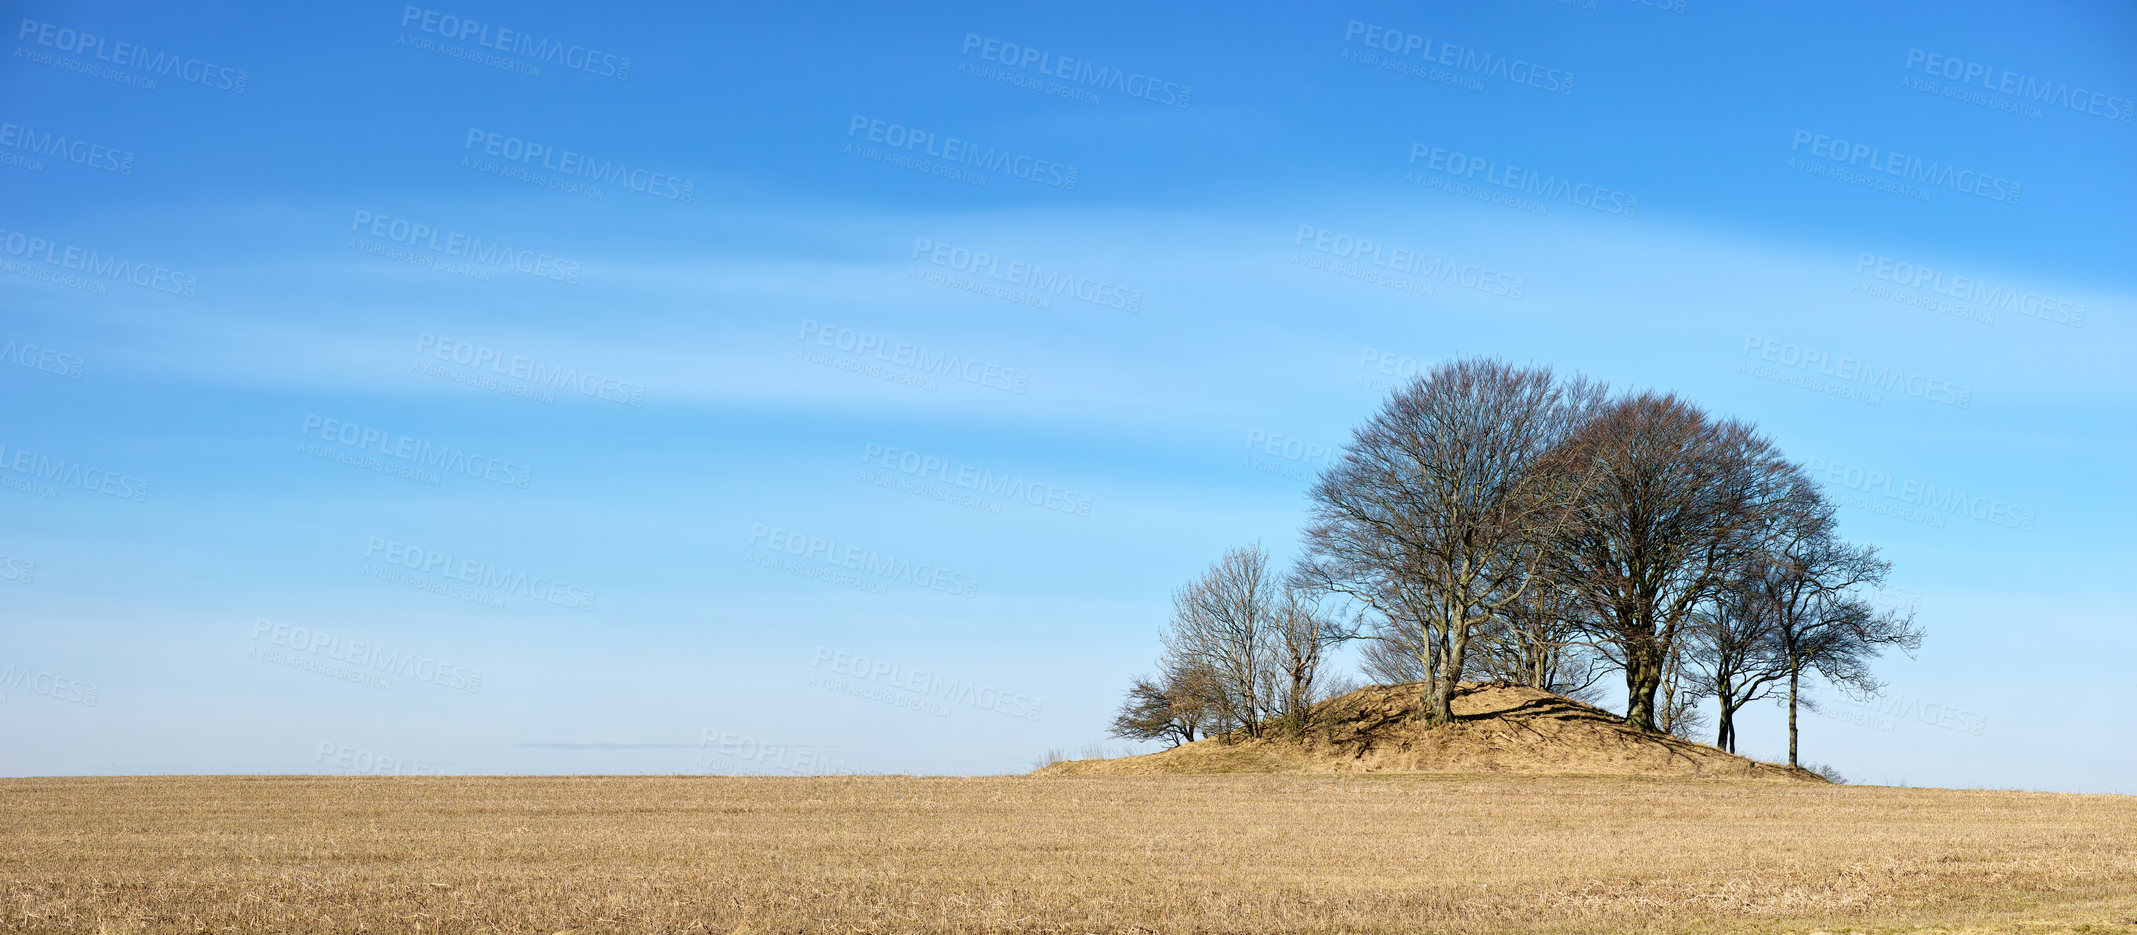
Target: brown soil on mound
[{"x": 1498, "y": 728}]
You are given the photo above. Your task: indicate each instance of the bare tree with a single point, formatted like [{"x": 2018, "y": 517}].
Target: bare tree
[
  {"x": 1173, "y": 706},
  {"x": 1738, "y": 653},
  {"x": 1148, "y": 714},
  {"x": 1389, "y": 663},
  {"x": 1300, "y": 637},
  {"x": 1814, "y": 587},
  {"x": 1677, "y": 703},
  {"x": 1192, "y": 694},
  {"x": 1660, "y": 502},
  {"x": 1242, "y": 650},
  {"x": 1536, "y": 641},
  {"x": 1222, "y": 624},
  {"x": 1428, "y": 518}
]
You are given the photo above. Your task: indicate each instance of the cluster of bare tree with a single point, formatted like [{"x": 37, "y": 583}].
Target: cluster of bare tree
[
  {"x": 1243, "y": 651},
  {"x": 1502, "y": 523}
]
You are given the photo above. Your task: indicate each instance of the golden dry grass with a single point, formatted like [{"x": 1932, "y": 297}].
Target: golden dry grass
[
  {"x": 1351, "y": 853},
  {"x": 1500, "y": 729}
]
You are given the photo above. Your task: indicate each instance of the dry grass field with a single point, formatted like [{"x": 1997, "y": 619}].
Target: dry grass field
[{"x": 1334, "y": 853}]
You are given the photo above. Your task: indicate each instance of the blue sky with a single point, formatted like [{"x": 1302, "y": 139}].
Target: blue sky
[{"x": 419, "y": 388}]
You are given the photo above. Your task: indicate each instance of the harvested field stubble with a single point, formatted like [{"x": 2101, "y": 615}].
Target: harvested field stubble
[{"x": 1052, "y": 854}]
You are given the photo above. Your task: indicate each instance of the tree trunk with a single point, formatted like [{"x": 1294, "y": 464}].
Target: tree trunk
[
  {"x": 1667, "y": 712},
  {"x": 1537, "y": 657},
  {"x": 1428, "y": 705},
  {"x": 1298, "y": 704},
  {"x": 1793, "y": 672},
  {"x": 1452, "y": 656},
  {"x": 1725, "y": 733},
  {"x": 1643, "y": 677},
  {"x": 1424, "y": 699},
  {"x": 1442, "y": 701}
]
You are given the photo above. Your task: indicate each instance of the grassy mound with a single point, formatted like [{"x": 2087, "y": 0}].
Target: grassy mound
[{"x": 1498, "y": 728}]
